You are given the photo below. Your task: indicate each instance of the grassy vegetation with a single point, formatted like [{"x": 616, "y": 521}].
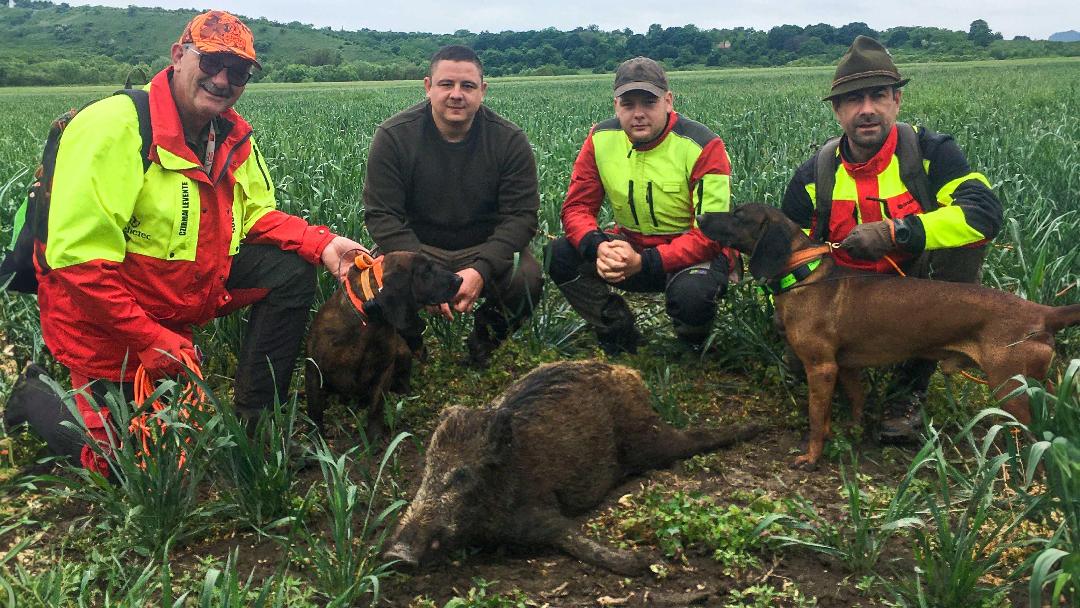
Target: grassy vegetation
[{"x": 278, "y": 518}]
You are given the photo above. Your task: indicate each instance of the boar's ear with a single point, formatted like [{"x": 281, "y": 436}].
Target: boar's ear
[
  {"x": 500, "y": 436},
  {"x": 771, "y": 253}
]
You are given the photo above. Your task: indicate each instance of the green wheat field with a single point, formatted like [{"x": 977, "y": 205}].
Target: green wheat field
[{"x": 285, "y": 518}]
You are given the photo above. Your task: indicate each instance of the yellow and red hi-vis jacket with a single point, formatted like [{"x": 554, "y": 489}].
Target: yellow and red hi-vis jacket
[
  {"x": 965, "y": 212},
  {"x": 655, "y": 190},
  {"x": 130, "y": 254}
]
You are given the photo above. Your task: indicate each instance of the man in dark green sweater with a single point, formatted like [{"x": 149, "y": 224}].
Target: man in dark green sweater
[{"x": 452, "y": 179}]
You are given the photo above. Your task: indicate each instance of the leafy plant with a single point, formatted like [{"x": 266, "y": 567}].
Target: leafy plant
[
  {"x": 679, "y": 522},
  {"x": 152, "y": 494},
  {"x": 1055, "y": 424},
  {"x": 347, "y": 565},
  {"x": 260, "y": 464},
  {"x": 663, "y": 399},
  {"x": 963, "y": 532},
  {"x": 860, "y": 540}
]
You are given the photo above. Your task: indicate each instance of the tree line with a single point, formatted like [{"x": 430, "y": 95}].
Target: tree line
[{"x": 102, "y": 45}]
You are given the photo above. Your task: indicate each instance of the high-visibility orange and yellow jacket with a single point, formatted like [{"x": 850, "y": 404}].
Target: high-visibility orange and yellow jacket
[
  {"x": 965, "y": 212},
  {"x": 131, "y": 253},
  {"x": 655, "y": 190}
]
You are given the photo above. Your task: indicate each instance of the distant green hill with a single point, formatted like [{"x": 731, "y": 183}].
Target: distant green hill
[
  {"x": 45, "y": 43},
  {"x": 1069, "y": 36}
]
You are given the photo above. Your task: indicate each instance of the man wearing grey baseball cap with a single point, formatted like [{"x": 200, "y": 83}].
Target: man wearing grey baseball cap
[
  {"x": 895, "y": 197},
  {"x": 659, "y": 170}
]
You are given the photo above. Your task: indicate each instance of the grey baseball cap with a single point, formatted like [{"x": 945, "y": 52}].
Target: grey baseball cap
[{"x": 640, "y": 74}]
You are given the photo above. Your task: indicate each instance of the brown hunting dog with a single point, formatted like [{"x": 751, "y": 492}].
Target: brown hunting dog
[
  {"x": 839, "y": 320},
  {"x": 355, "y": 345}
]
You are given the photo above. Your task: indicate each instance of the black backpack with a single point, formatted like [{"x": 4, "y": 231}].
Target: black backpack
[
  {"x": 31, "y": 223},
  {"x": 912, "y": 174}
]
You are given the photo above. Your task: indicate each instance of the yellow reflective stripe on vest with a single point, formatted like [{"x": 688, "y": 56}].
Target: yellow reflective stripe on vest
[
  {"x": 649, "y": 191},
  {"x": 253, "y": 196}
]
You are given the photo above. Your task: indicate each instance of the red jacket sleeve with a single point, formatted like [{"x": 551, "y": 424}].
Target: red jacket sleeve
[
  {"x": 584, "y": 196},
  {"x": 290, "y": 233}
]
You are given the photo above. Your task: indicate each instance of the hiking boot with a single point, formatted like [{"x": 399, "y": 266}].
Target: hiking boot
[
  {"x": 796, "y": 371},
  {"x": 902, "y": 419},
  {"x": 24, "y": 395},
  {"x": 617, "y": 333},
  {"x": 480, "y": 350}
]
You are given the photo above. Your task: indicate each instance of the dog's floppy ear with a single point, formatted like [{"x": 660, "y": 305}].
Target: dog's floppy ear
[
  {"x": 708, "y": 223},
  {"x": 771, "y": 253},
  {"x": 396, "y": 300}
]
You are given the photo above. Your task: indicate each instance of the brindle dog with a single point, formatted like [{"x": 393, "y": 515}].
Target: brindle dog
[
  {"x": 839, "y": 321},
  {"x": 360, "y": 353}
]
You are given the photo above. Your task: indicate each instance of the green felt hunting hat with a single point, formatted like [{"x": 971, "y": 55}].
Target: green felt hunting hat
[{"x": 866, "y": 65}]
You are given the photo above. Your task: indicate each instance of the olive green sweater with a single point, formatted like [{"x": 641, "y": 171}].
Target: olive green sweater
[{"x": 421, "y": 189}]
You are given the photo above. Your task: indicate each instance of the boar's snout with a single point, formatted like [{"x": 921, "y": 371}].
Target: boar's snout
[{"x": 403, "y": 554}]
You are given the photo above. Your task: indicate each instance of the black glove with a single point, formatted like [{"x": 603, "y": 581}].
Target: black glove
[{"x": 870, "y": 241}]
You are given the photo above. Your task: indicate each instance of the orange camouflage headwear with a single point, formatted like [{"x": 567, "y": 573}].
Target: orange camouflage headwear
[{"x": 220, "y": 32}]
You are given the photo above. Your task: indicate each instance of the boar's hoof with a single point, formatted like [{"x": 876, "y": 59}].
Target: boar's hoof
[
  {"x": 589, "y": 551},
  {"x": 403, "y": 555}
]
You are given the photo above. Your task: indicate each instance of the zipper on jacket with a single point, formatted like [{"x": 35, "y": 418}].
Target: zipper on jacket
[
  {"x": 700, "y": 193},
  {"x": 652, "y": 210},
  {"x": 633, "y": 208},
  {"x": 228, "y": 159}
]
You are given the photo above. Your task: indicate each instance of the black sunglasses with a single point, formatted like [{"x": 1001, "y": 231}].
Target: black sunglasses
[{"x": 211, "y": 63}]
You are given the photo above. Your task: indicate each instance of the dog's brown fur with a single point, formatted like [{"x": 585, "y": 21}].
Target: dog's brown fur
[
  {"x": 839, "y": 321},
  {"x": 361, "y": 360}
]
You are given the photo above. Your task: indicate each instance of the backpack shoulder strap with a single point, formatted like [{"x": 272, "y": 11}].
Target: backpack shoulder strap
[
  {"x": 912, "y": 172},
  {"x": 141, "y": 99},
  {"x": 824, "y": 181}
]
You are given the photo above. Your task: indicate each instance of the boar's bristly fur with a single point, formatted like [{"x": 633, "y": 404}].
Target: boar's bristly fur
[{"x": 549, "y": 448}]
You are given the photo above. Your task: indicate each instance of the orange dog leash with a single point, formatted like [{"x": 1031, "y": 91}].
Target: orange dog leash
[
  {"x": 140, "y": 425},
  {"x": 371, "y": 280}
]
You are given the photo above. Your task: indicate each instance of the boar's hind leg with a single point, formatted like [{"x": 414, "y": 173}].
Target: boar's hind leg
[
  {"x": 662, "y": 445},
  {"x": 592, "y": 552}
]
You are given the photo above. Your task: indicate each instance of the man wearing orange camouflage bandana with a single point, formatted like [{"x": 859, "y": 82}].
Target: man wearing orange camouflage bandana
[{"x": 136, "y": 255}]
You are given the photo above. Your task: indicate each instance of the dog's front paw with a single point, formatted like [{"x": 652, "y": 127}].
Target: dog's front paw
[{"x": 805, "y": 463}]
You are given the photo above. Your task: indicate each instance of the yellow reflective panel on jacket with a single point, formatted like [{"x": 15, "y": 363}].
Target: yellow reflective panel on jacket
[
  {"x": 649, "y": 191},
  {"x": 98, "y": 164},
  {"x": 155, "y": 214},
  {"x": 253, "y": 195},
  {"x": 165, "y": 222},
  {"x": 716, "y": 193}
]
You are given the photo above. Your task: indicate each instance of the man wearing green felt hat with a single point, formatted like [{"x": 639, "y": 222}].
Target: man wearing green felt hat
[{"x": 896, "y": 198}]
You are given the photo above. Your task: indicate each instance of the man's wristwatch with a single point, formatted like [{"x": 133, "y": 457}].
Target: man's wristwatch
[{"x": 901, "y": 233}]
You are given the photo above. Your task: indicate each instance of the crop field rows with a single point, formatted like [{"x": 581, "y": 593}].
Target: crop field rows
[{"x": 284, "y": 518}]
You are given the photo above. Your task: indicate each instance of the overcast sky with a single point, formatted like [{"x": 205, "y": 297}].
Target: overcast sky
[{"x": 1035, "y": 18}]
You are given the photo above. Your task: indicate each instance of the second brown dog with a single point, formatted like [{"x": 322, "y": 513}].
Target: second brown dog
[
  {"x": 356, "y": 347},
  {"x": 839, "y": 321}
]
